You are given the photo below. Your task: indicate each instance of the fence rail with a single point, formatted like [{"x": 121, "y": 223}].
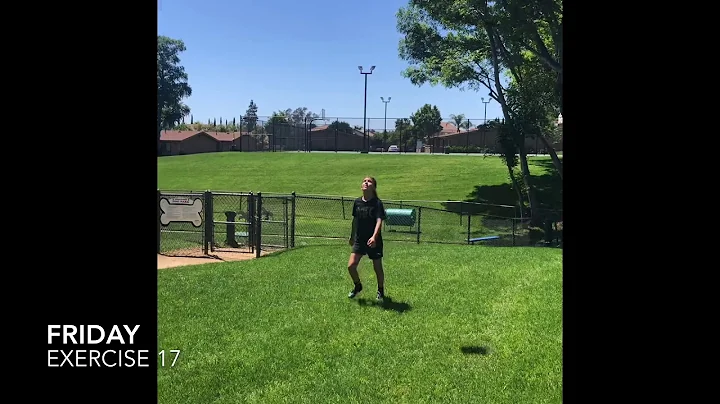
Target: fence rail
[{"x": 192, "y": 223}]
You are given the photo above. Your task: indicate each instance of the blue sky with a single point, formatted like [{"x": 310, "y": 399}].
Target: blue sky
[{"x": 288, "y": 54}]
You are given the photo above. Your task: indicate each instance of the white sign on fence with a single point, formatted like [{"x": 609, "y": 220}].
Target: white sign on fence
[{"x": 181, "y": 209}]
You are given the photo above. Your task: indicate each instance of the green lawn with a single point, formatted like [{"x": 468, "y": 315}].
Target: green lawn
[
  {"x": 400, "y": 177},
  {"x": 281, "y": 329}
]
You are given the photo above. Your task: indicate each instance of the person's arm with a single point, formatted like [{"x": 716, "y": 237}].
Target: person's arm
[
  {"x": 378, "y": 226},
  {"x": 379, "y": 217},
  {"x": 353, "y": 229}
]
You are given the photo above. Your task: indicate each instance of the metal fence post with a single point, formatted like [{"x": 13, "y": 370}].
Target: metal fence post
[
  {"x": 209, "y": 226},
  {"x": 513, "y": 231},
  {"x": 292, "y": 222},
  {"x": 159, "y": 214},
  {"x": 468, "y": 230},
  {"x": 258, "y": 227},
  {"x": 342, "y": 201},
  {"x": 251, "y": 221},
  {"x": 418, "y": 223},
  {"x": 285, "y": 203},
  {"x": 461, "y": 211}
]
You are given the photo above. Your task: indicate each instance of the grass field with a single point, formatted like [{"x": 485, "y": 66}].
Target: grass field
[
  {"x": 462, "y": 324},
  {"x": 400, "y": 177}
]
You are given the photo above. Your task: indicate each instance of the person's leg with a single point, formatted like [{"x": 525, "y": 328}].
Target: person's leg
[
  {"x": 376, "y": 255},
  {"x": 352, "y": 269},
  {"x": 352, "y": 266},
  {"x": 380, "y": 275}
]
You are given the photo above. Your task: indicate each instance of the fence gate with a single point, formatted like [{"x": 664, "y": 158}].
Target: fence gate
[
  {"x": 275, "y": 221},
  {"x": 250, "y": 223},
  {"x": 233, "y": 219},
  {"x": 181, "y": 223},
  {"x": 202, "y": 224}
]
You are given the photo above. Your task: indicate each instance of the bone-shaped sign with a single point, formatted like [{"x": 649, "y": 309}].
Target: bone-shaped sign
[{"x": 181, "y": 213}]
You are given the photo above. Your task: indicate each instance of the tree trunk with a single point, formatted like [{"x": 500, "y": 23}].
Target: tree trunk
[
  {"x": 516, "y": 186},
  {"x": 517, "y": 134},
  {"x": 532, "y": 197},
  {"x": 159, "y": 130},
  {"x": 555, "y": 159}
]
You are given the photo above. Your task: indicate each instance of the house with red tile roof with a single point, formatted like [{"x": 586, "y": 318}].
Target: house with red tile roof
[
  {"x": 193, "y": 142},
  {"x": 482, "y": 137}
]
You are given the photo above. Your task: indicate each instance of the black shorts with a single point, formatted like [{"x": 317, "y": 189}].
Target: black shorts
[{"x": 363, "y": 249}]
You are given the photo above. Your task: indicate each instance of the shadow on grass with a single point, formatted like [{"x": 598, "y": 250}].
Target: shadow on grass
[
  {"x": 548, "y": 187},
  {"x": 474, "y": 350},
  {"x": 278, "y": 252},
  {"x": 386, "y": 304}
]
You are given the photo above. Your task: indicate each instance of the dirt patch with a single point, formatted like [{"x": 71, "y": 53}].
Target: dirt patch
[{"x": 166, "y": 261}]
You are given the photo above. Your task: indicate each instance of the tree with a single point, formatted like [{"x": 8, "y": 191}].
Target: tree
[
  {"x": 172, "y": 84},
  {"x": 403, "y": 132},
  {"x": 301, "y": 116},
  {"x": 341, "y": 126},
  {"x": 480, "y": 44},
  {"x": 426, "y": 122},
  {"x": 277, "y": 119},
  {"x": 251, "y": 117},
  {"x": 533, "y": 101},
  {"x": 459, "y": 120}
]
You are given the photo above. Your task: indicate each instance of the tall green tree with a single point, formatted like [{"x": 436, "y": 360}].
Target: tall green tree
[
  {"x": 251, "y": 117},
  {"x": 172, "y": 85},
  {"x": 403, "y": 131},
  {"x": 277, "y": 119},
  {"x": 459, "y": 120},
  {"x": 426, "y": 122},
  {"x": 487, "y": 45},
  {"x": 301, "y": 116}
]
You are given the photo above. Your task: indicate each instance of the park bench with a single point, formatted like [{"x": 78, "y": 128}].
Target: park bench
[{"x": 486, "y": 238}]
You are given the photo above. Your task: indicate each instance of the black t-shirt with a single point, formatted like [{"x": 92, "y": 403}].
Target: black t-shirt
[{"x": 366, "y": 215}]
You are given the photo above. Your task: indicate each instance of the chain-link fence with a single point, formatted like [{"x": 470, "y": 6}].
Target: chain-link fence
[
  {"x": 320, "y": 219},
  {"x": 308, "y": 132},
  {"x": 454, "y": 134},
  {"x": 251, "y": 223}
]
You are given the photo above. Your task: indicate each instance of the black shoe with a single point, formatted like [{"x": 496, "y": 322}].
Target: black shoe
[
  {"x": 354, "y": 292},
  {"x": 380, "y": 296}
]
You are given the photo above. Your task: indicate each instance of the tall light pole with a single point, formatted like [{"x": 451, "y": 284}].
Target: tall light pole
[
  {"x": 485, "y": 121},
  {"x": 385, "y": 130},
  {"x": 365, "y": 136}
]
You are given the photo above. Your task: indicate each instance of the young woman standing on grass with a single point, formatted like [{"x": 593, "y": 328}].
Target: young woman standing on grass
[{"x": 366, "y": 236}]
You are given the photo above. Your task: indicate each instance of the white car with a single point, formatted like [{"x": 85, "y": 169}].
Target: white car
[{"x": 393, "y": 148}]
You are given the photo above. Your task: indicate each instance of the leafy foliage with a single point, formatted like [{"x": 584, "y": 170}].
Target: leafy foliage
[
  {"x": 426, "y": 121},
  {"x": 172, "y": 84},
  {"x": 251, "y": 117}
]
